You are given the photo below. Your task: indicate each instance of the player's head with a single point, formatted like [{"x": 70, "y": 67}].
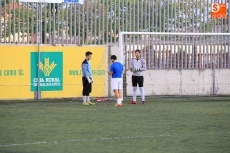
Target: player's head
[
  {"x": 137, "y": 53},
  {"x": 88, "y": 55},
  {"x": 113, "y": 58}
]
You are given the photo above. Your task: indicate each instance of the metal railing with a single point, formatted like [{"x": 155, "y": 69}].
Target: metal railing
[
  {"x": 100, "y": 21},
  {"x": 177, "y": 50}
]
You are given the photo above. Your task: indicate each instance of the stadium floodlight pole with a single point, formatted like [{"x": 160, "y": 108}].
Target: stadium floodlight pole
[
  {"x": 39, "y": 39},
  {"x": 38, "y": 43}
]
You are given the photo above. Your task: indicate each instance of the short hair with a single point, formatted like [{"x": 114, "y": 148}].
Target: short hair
[
  {"x": 88, "y": 53},
  {"x": 138, "y": 50},
  {"x": 114, "y": 57}
]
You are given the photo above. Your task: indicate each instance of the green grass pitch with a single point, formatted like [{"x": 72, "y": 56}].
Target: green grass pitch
[{"x": 163, "y": 125}]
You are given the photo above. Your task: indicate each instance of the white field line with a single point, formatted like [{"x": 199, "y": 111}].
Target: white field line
[
  {"x": 114, "y": 138},
  {"x": 52, "y": 108}
]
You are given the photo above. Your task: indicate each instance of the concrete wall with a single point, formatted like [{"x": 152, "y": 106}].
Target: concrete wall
[
  {"x": 183, "y": 82},
  {"x": 180, "y": 82},
  {"x": 115, "y": 51},
  {"x": 222, "y": 81}
]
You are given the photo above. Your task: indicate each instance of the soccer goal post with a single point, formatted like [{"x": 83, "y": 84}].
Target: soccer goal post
[{"x": 178, "y": 63}]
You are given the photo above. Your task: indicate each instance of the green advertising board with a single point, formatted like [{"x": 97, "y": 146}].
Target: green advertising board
[{"x": 50, "y": 71}]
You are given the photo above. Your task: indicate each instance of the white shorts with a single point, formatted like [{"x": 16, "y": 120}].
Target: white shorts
[{"x": 116, "y": 83}]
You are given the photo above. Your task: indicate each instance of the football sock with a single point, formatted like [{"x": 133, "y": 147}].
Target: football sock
[
  {"x": 119, "y": 101},
  {"x": 84, "y": 99},
  {"x": 87, "y": 99},
  {"x": 142, "y": 93},
  {"x": 134, "y": 93}
]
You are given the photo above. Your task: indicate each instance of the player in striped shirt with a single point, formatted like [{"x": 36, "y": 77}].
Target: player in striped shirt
[{"x": 138, "y": 65}]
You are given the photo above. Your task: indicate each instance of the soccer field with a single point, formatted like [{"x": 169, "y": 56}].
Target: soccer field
[{"x": 163, "y": 125}]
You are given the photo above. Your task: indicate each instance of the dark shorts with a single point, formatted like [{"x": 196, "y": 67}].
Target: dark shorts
[
  {"x": 137, "y": 80},
  {"x": 87, "y": 87}
]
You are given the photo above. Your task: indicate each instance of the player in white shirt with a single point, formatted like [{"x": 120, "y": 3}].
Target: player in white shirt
[{"x": 138, "y": 65}]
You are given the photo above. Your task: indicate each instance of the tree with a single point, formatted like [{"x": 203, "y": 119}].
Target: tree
[
  {"x": 154, "y": 16},
  {"x": 20, "y": 18},
  {"x": 4, "y": 2},
  {"x": 98, "y": 12},
  {"x": 86, "y": 21}
]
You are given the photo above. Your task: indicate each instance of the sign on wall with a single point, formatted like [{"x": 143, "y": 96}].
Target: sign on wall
[
  {"x": 50, "y": 71},
  {"x": 60, "y": 74}
]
